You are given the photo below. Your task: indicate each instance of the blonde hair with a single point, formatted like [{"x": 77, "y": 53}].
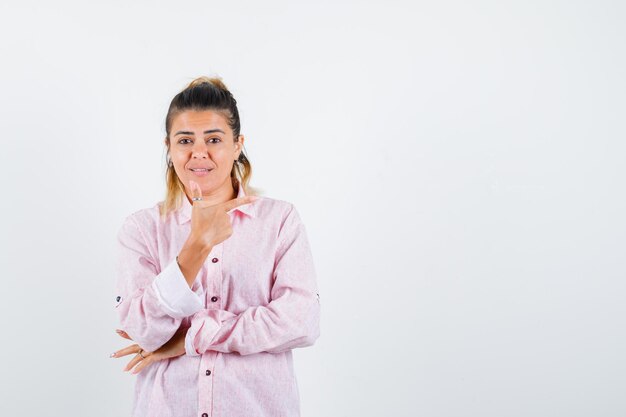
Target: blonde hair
[{"x": 204, "y": 93}]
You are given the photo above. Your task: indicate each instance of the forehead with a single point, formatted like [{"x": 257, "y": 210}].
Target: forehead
[{"x": 199, "y": 120}]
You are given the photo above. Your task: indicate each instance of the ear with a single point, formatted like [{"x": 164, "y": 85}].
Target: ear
[{"x": 239, "y": 146}]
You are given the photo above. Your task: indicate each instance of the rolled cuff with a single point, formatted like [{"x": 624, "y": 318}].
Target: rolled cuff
[
  {"x": 174, "y": 295},
  {"x": 190, "y": 350},
  {"x": 204, "y": 326}
]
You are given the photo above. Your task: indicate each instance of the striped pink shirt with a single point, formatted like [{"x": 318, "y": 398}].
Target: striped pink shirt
[{"x": 254, "y": 299}]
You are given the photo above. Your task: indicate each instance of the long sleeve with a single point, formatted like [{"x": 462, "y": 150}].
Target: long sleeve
[
  {"x": 289, "y": 320},
  {"x": 151, "y": 303}
]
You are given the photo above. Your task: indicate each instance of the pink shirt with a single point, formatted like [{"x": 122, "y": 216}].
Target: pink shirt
[{"x": 254, "y": 299}]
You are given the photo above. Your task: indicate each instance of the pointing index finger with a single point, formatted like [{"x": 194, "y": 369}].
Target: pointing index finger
[{"x": 236, "y": 202}]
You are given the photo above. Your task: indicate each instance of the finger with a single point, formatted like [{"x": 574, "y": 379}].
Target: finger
[
  {"x": 123, "y": 334},
  {"x": 127, "y": 351},
  {"x": 134, "y": 361},
  {"x": 142, "y": 365},
  {"x": 236, "y": 202},
  {"x": 196, "y": 191}
]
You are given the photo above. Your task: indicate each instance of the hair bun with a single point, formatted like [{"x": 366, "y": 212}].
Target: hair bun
[{"x": 215, "y": 81}]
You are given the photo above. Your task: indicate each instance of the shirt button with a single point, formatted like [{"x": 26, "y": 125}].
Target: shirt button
[
  {"x": 118, "y": 298},
  {"x": 205, "y": 415},
  {"x": 208, "y": 372},
  {"x": 214, "y": 298},
  {"x": 214, "y": 260}
]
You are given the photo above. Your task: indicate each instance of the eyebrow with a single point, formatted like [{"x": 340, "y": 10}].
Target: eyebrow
[{"x": 206, "y": 132}]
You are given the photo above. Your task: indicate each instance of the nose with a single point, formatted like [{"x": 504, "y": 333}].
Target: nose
[{"x": 199, "y": 150}]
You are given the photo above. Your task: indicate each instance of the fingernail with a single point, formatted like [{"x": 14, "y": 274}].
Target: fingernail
[
  {"x": 118, "y": 330},
  {"x": 112, "y": 354}
]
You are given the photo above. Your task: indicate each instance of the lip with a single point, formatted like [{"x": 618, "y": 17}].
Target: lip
[{"x": 201, "y": 173}]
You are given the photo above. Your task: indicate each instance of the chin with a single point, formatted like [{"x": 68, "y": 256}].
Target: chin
[{"x": 204, "y": 182}]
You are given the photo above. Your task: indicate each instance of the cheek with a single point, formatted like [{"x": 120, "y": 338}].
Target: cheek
[
  {"x": 179, "y": 157},
  {"x": 179, "y": 162},
  {"x": 223, "y": 156}
]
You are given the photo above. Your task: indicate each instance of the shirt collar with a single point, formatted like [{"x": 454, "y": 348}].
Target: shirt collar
[{"x": 184, "y": 212}]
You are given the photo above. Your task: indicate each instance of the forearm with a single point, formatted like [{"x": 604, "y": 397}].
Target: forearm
[
  {"x": 151, "y": 308},
  {"x": 142, "y": 318},
  {"x": 191, "y": 258},
  {"x": 274, "y": 328}
]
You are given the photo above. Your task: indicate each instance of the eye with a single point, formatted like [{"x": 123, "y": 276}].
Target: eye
[
  {"x": 217, "y": 139},
  {"x": 181, "y": 141}
]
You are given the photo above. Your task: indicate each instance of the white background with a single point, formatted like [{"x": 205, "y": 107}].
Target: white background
[{"x": 459, "y": 167}]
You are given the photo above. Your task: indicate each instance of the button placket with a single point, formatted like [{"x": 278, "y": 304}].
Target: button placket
[
  {"x": 207, "y": 363},
  {"x": 205, "y": 383},
  {"x": 214, "y": 268}
]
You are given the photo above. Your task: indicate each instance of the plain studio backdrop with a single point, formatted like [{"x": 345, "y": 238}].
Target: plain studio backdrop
[{"x": 458, "y": 166}]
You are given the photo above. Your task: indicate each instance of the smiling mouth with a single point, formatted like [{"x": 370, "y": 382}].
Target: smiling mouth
[{"x": 200, "y": 172}]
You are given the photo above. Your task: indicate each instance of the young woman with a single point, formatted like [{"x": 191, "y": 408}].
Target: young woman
[{"x": 215, "y": 286}]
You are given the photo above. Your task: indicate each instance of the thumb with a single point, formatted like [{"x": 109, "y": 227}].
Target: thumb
[
  {"x": 123, "y": 334},
  {"x": 196, "y": 191}
]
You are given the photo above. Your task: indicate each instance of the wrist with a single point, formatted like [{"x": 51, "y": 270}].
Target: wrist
[
  {"x": 197, "y": 246},
  {"x": 190, "y": 260}
]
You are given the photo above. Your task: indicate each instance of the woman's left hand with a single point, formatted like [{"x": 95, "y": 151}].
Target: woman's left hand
[{"x": 173, "y": 348}]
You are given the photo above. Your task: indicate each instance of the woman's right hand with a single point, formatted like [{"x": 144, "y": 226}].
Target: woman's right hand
[{"x": 210, "y": 224}]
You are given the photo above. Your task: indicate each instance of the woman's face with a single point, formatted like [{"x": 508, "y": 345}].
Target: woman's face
[{"x": 202, "y": 149}]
